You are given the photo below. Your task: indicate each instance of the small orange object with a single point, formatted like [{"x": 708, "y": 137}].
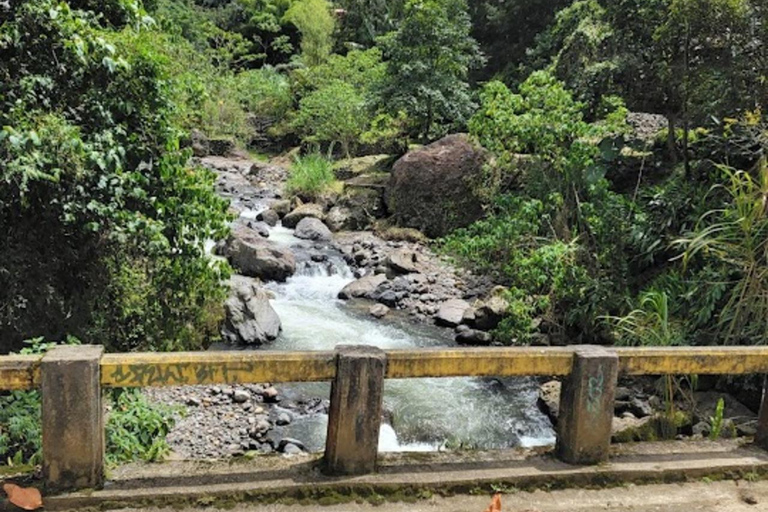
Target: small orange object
[
  {"x": 24, "y": 498},
  {"x": 495, "y": 505}
]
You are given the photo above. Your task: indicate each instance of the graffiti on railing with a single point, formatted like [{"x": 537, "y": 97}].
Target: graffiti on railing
[
  {"x": 595, "y": 391},
  {"x": 176, "y": 374}
]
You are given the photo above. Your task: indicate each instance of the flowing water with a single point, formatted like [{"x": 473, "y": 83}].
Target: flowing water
[{"x": 424, "y": 414}]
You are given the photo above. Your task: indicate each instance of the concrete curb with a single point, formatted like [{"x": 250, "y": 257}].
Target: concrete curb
[{"x": 299, "y": 481}]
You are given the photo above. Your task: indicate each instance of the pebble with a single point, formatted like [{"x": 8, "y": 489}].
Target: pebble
[{"x": 239, "y": 396}]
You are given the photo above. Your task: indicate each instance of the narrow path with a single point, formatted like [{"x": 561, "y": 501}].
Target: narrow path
[{"x": 726, "y": 496}]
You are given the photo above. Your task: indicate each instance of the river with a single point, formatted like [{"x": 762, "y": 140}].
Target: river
[{"x": 421, "y": 414}]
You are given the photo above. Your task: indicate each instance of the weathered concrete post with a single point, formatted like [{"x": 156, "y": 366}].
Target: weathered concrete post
[
  {"x": 586, "y": 406},
  {"x": 354, "y": 418},
  {"x": 73, "y": 425},
  {"x": 761, "y": 437}
]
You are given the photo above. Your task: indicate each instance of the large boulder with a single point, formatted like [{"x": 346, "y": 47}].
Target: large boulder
[
  {"x": 431, "y": 188},
  {"x": 311, "y": 228},
  {"x": 302, "y": 212},
  {"x": 363, "y": 287},
  {"x": 250, "y": 319},
  {"x": 255, "y": 256},
  {"x": 451, "y": 312}
]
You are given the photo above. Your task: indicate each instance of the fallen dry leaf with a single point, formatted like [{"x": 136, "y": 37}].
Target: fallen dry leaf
[
  {"x": 24, "y": 498},
  {"x": 495, "y": 505}
]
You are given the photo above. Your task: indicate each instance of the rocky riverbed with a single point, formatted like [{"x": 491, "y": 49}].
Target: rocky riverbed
[{"x": 391, "y": 277}]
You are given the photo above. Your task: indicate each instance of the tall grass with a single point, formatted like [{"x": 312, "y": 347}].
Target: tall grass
[{"x": 310, "y": 176}]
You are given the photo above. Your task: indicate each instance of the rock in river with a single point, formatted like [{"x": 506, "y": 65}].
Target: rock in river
[
  {"x": 250, "y": 318},
  {"x": 310, "y": 228},
  {"x": 254, "y": 256},
  {"x": 362, "y": 287},
  {"x": 301, "y": 212}
]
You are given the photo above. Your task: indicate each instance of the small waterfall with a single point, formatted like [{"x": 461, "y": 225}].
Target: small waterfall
[{"x": 424, "y": 414}]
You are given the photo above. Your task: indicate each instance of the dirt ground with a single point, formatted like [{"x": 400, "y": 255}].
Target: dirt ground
[{"x": 726, "y": 496}]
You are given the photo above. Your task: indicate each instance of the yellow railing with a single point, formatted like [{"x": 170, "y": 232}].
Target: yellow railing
[
  {"x": 152, "y": 369},
  {"x": 357, "y": 374}
]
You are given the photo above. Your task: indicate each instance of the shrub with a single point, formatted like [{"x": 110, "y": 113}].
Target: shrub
[
  {"x": 136, "y": 429},
  {"x": 334, "y": 113},
  {"x": 310, "y": 176},
  {"x": 314, "y": 21},
  {"x": 265, "y": 93},
  {"x": 103, "y": 221}
]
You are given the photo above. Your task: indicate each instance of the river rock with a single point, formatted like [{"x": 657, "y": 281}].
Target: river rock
[
  {"x": 403, "y": 261},
  {"x": 281, "y": 207},
  {"x": 431, "y": 188},
  {"x": 262, "y": 228},
  {"x": 473, "y": 337},
  {"x": 254, "y": 256},
  {"x": 240, "y": 395},
  {"x": 250, "y": 318},
  {"x": 338, "y": 218},
  {"x": 549, "y": 399},
  {"x": 451, "y": 312},
  {"x": 362, "y": 287},
  {"x": 301, "y": 212},
  {"x": 378, "y": 311},
  {"x": 490, "y": 312},
  {"x": 310, "y": 228},
  {"x": 269, "y": 217}
]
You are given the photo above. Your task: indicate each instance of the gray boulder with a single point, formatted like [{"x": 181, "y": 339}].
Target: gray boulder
[
  {"x": 378, "y": 311},
  {"x": 338, "y": 218},
  {"x": 310, "y": 228},
  {"x": 362, "y": 287},
  {"x": 255, "y": 256},
  {"x": 451, "y": 312},
  {"x": 250, "y": 319},
  {"x": 403, "y": 261},
  {"x": 301, "y": 212},
  {"x": 269, "y": 217}
]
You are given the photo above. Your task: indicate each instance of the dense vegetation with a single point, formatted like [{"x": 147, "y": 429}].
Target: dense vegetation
[
  {"x": 626, "y": 198},
  {"x": 598, "y": 218}
]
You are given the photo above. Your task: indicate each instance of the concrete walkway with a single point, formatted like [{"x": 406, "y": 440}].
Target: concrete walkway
[{"x": 725, "y": 496}]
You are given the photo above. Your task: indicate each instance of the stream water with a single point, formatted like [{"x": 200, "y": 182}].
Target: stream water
[{"x": 423, "y": 414}]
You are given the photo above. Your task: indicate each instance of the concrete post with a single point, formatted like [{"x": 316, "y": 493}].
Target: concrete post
[
  {"x": 73, "y": 419},
  {"x": 354, "y": 418},
  {"x": 761, "y": 437},
  {"x": 586, "y": 406}
]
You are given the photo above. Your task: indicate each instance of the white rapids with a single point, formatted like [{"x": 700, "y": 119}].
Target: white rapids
[{"x": 423, "y": 414}]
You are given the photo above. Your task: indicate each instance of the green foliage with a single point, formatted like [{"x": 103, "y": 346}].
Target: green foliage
[
  {"x": 650, "y": 324},
  {"x": 339, "y": 103},
  {"x": 20, "y": 432},
  {"x": 544, "y": 276},
  {"x": 136, "y": 429},
  {"x": 334, "y": 113},
  {"x": 429, "y": 57},
  {"x": 735, "y": 236},
  {"x": 310, "y": 176},
  {"x": 102, "y": 218},
  {"x": 716, "y": 421},
  {"x": 314, "y": 21},
  {"x": 265, "y": 93}
]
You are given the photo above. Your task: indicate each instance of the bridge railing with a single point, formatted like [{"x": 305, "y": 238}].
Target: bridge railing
[{"x": 71, "y": 380}]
